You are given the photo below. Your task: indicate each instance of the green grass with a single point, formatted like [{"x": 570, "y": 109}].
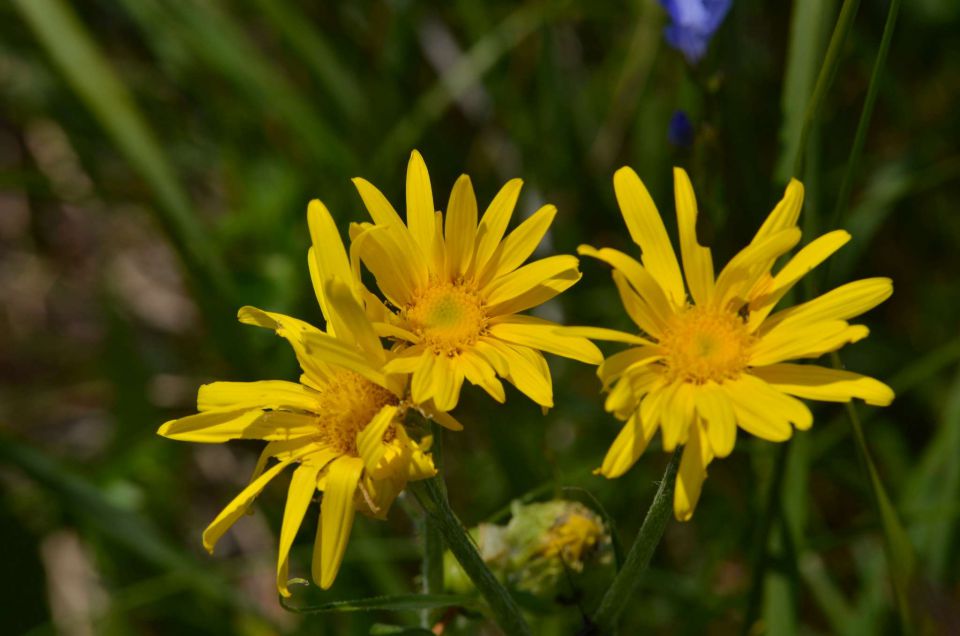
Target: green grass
[{"x": 157, "y": 162}]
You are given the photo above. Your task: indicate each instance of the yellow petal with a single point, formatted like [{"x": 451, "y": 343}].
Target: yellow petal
[
  {"x": 377, "y": 205},
  {"x": 494, "y": 224},
  {"x": 421, "y": 384},
  {"x": 302, "y": 486},
  {"x": 642, "y": 282},
  {"x": 647, "y": 230},
  {"x": 546, "y": 336},
  {"x": 635, "y": 357},
  {"x": 535, "y": 295},
  {"x": 717, "y": 415},
  {"x": 796, "y": 268},
  {"x": 697, "y": 260},
  {"x": 751, "y": 263},
  {"x": 480, "y": 373},
  {"x": 606, "y": 335},
  {"x": 353, "y": 324},
  {"x": 327, "y": 254},
  {"x": 522, "y": 280},
  {"x": 636, "y": 307},
  {"x": 828, "y": 385},
  {"x": 693, "y": 470},
  {"x": 626, "y": 448},
  {"x": 447, "y": 379},
  {"x": 405, "y": 361},
  {"x": 270, "y": 394},
  {"x": 761, "y": 413},
  {"x": 221, "y": 425},
  {"x": 235, "y": 509},
  {"x": 337, "y": 353},
  {"x": 527, "y": 370},
  {"x": 397, "y": 265},
  {"x": 292, "y": 330},
  {"x": 841, "y": 303},
  {"x": 420, "y": 207},
  {"x": 785, "y": 214},
  {"x": 445, "y": 420},
  {"x": 461, "y": 230},
  {"x": 370, "y": 445},
  {"x": 804, "y": 341},
  {"x": 519, "y": 244},
  {"x": 336, "y": 518},
  {"x": 677, "y": 415}
]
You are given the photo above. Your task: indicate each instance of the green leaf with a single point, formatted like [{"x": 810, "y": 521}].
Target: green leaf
[{"x": 395, "y": 603}]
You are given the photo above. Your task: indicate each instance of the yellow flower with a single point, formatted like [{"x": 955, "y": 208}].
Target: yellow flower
[
  {"x": 456, "y": 289},
  {"x": 711, "y": 356},
  {"x": 340, "y": 425}
]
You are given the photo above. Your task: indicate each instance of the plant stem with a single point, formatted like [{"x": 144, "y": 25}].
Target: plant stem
[
  {"x": 828, "y": 72},
  {"x": 625, "y": 584},
  {"x": 843, "y": 198},
  {"x": 432, "y": 567},
  {"x": 431, "y": 493}
]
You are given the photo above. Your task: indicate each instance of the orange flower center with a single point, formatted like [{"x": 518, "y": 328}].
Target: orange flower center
[
  {"x": 705, "y": 343},
  {"x": 348, "y": 401},
  {"x": 447, "y": 317}
]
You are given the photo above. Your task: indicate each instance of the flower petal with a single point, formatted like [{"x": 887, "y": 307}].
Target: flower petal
[
  {"x": 697, "y": 260},
  {"x": 750, "y": 264},
  {"x": 480, "y": 373},
  {"x": 804, "y": 341},
  {"x": 420, "y": 206},
  {"x": 544, "y": 335},
  {"x": 840, "y": 303},
  {"x": 290, "y": 329},
  {"x": 263, "y": 394},
  {"x": 352, "y": 322},
  {"x": 336, "y": 518},
  {"x": 220, "y": 425},
  {"x": 785, "y": 214},
  {"x": 518, "y": 282},
  {"x": 338, "y": 353},
  {"x": 717, "y": 415},
  {"x": 606, "y": 335},
  {"x": 693, "y": 470},
  {"x": 626, "y": 448},
  {"x": 461, "y": 230},
  {"x": 526, "y": 370},
  {"x": 235, "y": 509},
  {"x": 302, "y": 486},
  {"x": 370, "y": 444},
  {"x": 494, "y": 224},
  {"x": 327, "y": 255},
  {"x": 828, "y": 385},
  {"x": 519, "y": 244},
  {"x": 796, "y": 268},
  {"x": 647, "y": 230}
]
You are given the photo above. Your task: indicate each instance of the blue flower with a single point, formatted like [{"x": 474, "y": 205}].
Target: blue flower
[
  {"x": 680, "y": 130},
  {"x": 693, "y": 23}
]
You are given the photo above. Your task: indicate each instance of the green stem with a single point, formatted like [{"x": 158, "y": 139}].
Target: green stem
[
  {"x": 625, "y": 584},
  {"x": 432, "y": 495},
  {"x": 432, "y": 567},
  {"x": 828, "y": 72},
  {"x": 843, "y": 198}
]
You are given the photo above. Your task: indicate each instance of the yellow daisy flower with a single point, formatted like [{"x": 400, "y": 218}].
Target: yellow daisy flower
[
  {"x": 710, "y": 356},
  {"x": 456, "y": 288},
  {"x": 340, "y": 425}
]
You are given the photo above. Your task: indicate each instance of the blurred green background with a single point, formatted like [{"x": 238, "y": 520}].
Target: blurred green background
[{"x": 156, "y": 159}]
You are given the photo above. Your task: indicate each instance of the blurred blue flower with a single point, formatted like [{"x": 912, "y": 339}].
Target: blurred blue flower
[
  {"x": 693, "y": 23},
  {"x": 680, "y": 130}
]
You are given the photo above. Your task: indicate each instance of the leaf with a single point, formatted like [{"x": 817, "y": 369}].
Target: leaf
[{"x": 395, "y": 603}]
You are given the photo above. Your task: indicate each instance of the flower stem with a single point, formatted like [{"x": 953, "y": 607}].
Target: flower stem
[
  {"x": 432, "y": 495},
  {"x": 432, "y": 567},
  {"x": 625, "y": 584}
]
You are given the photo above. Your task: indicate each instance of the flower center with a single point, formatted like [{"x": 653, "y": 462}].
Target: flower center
[
  {"x": 447, "y": 316},
  {"x": 704, "y": 343},
  {"x": 348, "y": 402}
]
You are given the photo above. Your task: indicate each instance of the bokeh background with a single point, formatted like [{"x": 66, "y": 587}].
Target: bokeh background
[{"x": 156, "y": 159}]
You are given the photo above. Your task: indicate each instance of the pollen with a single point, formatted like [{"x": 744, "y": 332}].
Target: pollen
[
  {"x": 448, "y": 317},
  {"x": 348, "y": 402},
  {"x": 705, "y": 343}
]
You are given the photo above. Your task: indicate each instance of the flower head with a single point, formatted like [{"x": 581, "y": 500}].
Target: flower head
[
  {"x": 692, "y": 24},
  {"x": 455, "y": 287},
  {"x": 541, "y": 544},
  {"x": 340, "y": 425},
  {"x": 711, "y": 357}
]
